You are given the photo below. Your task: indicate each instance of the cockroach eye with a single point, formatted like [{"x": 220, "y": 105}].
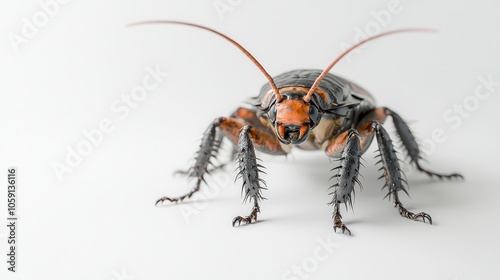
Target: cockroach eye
[
  {"x": 314, "y": 114},
  {"x": 271, "y": 114}
]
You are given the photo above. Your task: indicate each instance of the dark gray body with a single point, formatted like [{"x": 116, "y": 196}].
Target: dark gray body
[{"x": 339, "y": 89}]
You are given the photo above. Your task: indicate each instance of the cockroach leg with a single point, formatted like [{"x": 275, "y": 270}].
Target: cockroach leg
[
  {"x": 249, "y": 173},
  {"x": 180, "y": 198},
  {"x": 393, "y": 174},
  {"x": 208, "y": 149},
  {"x": 219, "y": 137},
  {"x": 347, "y": 176},
  {"x": 232, "y": 158},
  {"x": 247, "y": 139},
  {"x": 214, "y": 168},
  {"x": 412, "y": 148}
]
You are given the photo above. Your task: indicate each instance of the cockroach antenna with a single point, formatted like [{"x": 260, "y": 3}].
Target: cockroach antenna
[
  {"x": 247, "y": 53},
  {"x": 318, "y": 80}
]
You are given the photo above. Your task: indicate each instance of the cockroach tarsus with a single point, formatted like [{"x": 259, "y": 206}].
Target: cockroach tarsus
[{"x": 311, "y": 110}]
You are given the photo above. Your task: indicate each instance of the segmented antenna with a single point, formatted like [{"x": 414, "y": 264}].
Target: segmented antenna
[
  {"x": 318, "y": 80},
  {"x": 248, "y": 54}
]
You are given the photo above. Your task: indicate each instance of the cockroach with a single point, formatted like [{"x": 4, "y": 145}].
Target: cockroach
[{"x": 312, "y": 110}]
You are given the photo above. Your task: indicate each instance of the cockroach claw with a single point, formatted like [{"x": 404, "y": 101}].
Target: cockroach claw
[
  {"x": 165, "y": 198},
  {"x": 239, "y": 219},
  {"x": 412, "y": 216},
  {"x": 337, "y": 221},
  {"x": 341, "y": 226},
  {"x": 424, "y": 216},
  {"x": 247, "y": 219}
]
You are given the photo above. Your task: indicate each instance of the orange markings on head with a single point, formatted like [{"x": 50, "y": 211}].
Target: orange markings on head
[{"x": 292, "y": 112}]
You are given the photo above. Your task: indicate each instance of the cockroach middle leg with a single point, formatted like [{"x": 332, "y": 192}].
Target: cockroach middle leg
[
  {"x": 208, "y": 149},
  {"x": 393, "y": 174},
  {"x": 220, "y": 165}
]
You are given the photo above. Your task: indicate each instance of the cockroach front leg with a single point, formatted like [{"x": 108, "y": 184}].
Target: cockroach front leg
[
  {"x": 249, "y": 169},
  {"x": 249, "y": 173},
  {"x": 347, "y": 176},
  {"x": 248, "y": 138}
]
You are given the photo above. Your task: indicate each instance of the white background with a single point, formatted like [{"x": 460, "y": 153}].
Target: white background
[{"x": 100, "y": 222}]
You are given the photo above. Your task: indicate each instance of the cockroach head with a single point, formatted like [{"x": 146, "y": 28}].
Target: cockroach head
[{"x": 293, "y": 118}]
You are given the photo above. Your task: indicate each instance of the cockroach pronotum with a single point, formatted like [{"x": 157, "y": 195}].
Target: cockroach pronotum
[{"x": 312, "y": 110}]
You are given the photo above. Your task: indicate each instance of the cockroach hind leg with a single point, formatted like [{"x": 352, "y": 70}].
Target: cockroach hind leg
[
  {"x": 182, "y": 172},
  {"x": 161, "y": 200},
  {"x": 439, "y": 175},
  {"x": 209, "y": 171},
  {"x": 179, "y": 198},
  {"x": 412, "y": 148},
  {"x": 223, "y": 165}
]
